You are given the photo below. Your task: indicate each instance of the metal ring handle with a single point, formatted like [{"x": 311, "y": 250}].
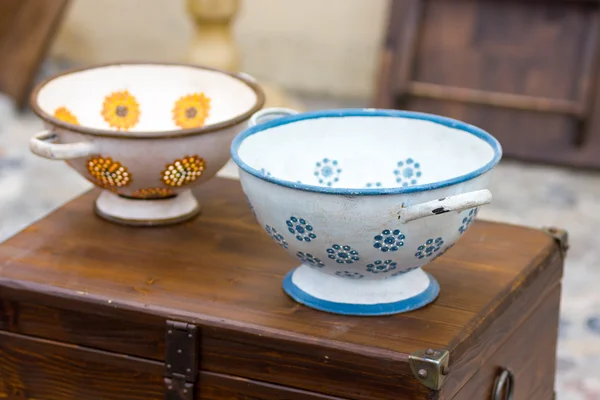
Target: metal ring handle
[
  {"x": 505, "y": 383},
  {"x": 269, "y": 114}
]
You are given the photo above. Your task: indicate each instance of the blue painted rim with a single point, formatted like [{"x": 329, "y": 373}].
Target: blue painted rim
[
  {"x": 351, "y": 112},
  {"x": 410, "y": 304}
]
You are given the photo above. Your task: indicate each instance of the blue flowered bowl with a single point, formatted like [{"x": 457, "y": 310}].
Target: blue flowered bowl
[{"x": 363, "y": 199}]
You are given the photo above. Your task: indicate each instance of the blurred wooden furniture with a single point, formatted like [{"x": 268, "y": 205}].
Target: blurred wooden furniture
[
  {"x": 93, "y": 310},
  {"x": 214, "y": 44},
  {"x": 26, "y": 31},
  {"x": 526, "y": 71}
]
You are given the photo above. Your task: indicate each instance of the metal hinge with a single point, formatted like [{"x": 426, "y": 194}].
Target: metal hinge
[
  {"x": 430, "y": 367},
  {"x": 562, "y": 238},
  {"x": 181, "y": 361}
]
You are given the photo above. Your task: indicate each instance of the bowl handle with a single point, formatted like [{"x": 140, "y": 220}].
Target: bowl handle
[
  {"x": 269, "y": 114},
  {"x": 457, "y": 203},
  {"x": 42, "y": 144}
]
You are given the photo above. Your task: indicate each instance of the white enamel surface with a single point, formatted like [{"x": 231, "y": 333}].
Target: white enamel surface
[
  {"x": 146, "y": 210},
  {"x": 146, "y": 159},
  {"x": 339, "y": 290},
  {"x": 156, "y": 88},
  {"x": 359, "y": 151},
  {"x": 355, "y": 221}
]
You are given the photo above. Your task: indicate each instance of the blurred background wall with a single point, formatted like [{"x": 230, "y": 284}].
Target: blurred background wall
[{"x": 339, "y": 39}]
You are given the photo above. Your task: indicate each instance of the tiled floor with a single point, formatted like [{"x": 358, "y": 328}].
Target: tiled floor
[{"x": 523, "y": 194}]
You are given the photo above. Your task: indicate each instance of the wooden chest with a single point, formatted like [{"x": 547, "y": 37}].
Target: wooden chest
[
  {"x": 95, "y": 311},
  {"x": 524, "y": 70}
]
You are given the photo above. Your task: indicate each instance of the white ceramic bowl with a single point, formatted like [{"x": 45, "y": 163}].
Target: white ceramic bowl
[
  {"x": 145, "y": 133},
  {"x": 363, "y": 199}
]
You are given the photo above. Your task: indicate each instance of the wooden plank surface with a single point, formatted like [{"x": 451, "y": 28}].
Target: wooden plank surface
[
  {"x": 41, "y": 369},
  {"x": 95, "y": 279},
  {"x": 529, "y": 353},
  {"x": 215, "y": 266}
]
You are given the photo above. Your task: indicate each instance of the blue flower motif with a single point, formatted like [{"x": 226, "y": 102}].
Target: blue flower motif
[
  {"x": 265, "y": 172},
  {"x": 327, "y": 171},
  {"x": 276, "y": 236},
  {"x": 441, "y": 253},
  {"x": 430, "y": 247},
  {"x": 301, "y": 229},
  {"x": 466, "y": 221},
  {"x": 389, "y": 240},
  {"x": 251, "y": 207},
  {"x": 371, "y": 184},
  {"x": 408, "y": 172},
  {"x": 309, "y": 259},
  {"x": 403, "y": 271},
  {"x": 342, "y": 254},
  {"x": 349, "y": 274},
  {"x": 381, "y": 266}
]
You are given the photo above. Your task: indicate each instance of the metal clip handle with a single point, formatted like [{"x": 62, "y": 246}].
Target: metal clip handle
[{"x": 504, "y": 386}]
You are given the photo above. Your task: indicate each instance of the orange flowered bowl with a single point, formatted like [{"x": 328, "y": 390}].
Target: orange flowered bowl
[{"x": 146, "y": 133}]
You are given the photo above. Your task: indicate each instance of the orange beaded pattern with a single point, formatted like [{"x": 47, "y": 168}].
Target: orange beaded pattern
[
  {"x": 184, "y": 171},
  {"x": 153, "y": 193},
  {"x": 108, "y": 173}
]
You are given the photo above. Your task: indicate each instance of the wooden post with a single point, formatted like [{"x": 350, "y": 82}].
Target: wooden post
[{"x": 214, "y": 44}]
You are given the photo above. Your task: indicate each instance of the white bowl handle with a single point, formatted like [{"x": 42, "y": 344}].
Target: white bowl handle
[
  {"x": 457, "y": 203},
  {"x": 270, "y": 113},
  {"x": 42, "y": 144}
]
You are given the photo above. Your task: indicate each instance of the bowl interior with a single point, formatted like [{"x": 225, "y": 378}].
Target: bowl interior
[
  {"x": 146, "y": 97},
  {"x": 365, "y": 151}
]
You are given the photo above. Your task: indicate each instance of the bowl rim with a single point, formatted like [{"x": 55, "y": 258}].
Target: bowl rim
[
  {"x": 368, "y": 112},
  {"x": 174, "y": 133}
]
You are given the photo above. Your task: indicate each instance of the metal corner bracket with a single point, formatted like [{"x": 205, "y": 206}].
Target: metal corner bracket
[
  {"x": 561, "y": 237},
  {"x": 430, "y": 367}
]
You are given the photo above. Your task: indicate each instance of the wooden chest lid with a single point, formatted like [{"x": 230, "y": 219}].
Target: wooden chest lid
[{"x": 223, "y": 274}]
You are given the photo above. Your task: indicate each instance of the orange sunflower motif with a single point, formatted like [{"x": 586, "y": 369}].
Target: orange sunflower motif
[
  {"x": 153, "y": 193},
  {"x": 65, "y": 115},
  {"x": 108, "y": 173},
  {"x": 191, "y": 111},
  {"x": 121, "y": 110},
  {"x": 184, "y": 171}
]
